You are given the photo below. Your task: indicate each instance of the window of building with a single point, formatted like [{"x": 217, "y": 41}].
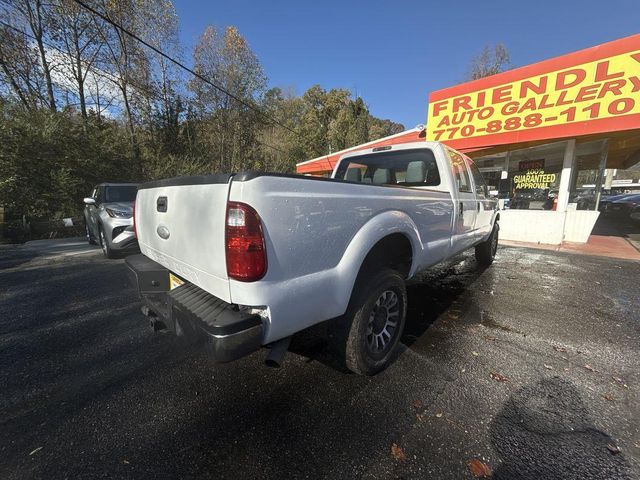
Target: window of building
[{"x": 525, "y": 179}]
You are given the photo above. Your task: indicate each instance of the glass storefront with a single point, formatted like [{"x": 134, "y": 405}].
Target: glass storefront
[
  {"x": 529, "y": 178},
  {"x": 525, "y": 179}
]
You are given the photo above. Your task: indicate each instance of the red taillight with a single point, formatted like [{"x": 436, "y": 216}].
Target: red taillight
[
  {"x": 246, "y": 253},
  {"x": 135, "y": 230}
]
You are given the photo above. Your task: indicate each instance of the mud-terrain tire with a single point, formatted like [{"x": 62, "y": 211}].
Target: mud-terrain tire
[
  {"x": 486, "y": 251},
  {"x": 366, "y": 336}
]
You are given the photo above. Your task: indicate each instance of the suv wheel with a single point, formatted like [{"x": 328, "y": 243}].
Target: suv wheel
[
  {"x": 367, "y": 335},
  {"x": 90, "y": 239},
  {"x": 104, "y": 244}
]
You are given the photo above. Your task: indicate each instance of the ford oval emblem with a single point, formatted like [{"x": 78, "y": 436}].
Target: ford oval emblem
[{"x": 163, "y": 231}]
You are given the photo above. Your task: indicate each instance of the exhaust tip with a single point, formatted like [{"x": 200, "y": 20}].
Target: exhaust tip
[
  {"x": 276, "y": 354},
  {"x": 271, "y": 363}
]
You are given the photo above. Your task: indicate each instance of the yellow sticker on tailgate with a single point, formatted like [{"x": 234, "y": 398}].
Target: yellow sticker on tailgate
[{"x": 174, "y": 281}]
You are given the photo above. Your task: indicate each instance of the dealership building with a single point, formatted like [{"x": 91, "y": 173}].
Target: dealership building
[{"x": 552, "y": 138}]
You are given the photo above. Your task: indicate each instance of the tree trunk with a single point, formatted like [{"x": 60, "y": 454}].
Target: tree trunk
[
  {"x": 79, "y": 75},
  {"x": 35, "y": 22},
  {"x": 14, "y": 86}
]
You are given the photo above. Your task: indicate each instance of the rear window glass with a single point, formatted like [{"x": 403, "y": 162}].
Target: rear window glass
[
  {"x": 120, "y": 193},
  {"x": 411, "y": 168}
]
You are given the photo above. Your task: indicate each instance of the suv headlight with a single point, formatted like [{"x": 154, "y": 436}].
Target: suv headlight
[{"x": 117, "y": 213}]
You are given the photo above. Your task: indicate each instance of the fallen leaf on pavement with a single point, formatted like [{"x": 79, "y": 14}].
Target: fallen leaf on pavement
[
  {"x": 613, "y": 448},
  {"x": 608, "y": 397},
  {"x": 398, "y": 453},
  {"x": 439, "y": 414},
  {"x": 548, "y": 367},
  {"x": 35, "y": 451},
  {"x": 475, "y": 354},
  {"x": 126, "y": 462},
  {"x": 491, "y": 339},
  {"x": 497, "y": 377},
  {"x": 417, "y": 404},
  {"x": 559, "y": 349},
  {"x": 419, "y": 417},
  {"x": 590, "y": 368},
  {"x": 479, "y": 469},
  {"x": 620, "y": 381}
]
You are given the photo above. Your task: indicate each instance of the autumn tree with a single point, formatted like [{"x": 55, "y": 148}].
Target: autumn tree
[{"x": 230, "y": 128}]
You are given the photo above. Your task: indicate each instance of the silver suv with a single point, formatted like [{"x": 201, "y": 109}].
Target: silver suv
[{"x": 108, "y": 214}]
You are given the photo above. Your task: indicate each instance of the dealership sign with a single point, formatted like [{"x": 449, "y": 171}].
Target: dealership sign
[{"x": 591, "y": 91}]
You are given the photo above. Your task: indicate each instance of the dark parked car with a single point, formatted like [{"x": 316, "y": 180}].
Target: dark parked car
[{"x": 621, "y": 207}]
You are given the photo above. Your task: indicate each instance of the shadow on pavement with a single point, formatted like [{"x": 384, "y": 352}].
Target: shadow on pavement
[
  {"x": 434, "y": 291},
  {"x": 429, "y": 294},
  {"x": 544, "y": 432},
  {"x": 11, "y": 257},
  {"x": 618, "y": 227}
]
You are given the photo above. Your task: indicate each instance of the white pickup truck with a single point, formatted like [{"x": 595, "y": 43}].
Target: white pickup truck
[{"x": 245, "y": 260}]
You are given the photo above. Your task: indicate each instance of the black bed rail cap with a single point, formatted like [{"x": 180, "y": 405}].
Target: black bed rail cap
[{"x": 188, "y": 180}]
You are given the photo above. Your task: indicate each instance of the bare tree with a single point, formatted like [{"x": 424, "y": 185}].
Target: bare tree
[
  {"x": 490, "y": 61},
  {"x": 78, "y": 38},
  {"x": 36, "y": 15},
  {"x": 19, "y": 68},
  {"x": 130, "y": 62}
]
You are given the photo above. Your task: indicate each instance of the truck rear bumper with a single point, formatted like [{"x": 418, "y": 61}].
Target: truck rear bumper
[{"x": 227, "y": 332}]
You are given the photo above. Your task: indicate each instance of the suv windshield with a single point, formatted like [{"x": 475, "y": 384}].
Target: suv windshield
[
  {"x": 412, "y": 168},
  {"x": 120, "y": 193}
]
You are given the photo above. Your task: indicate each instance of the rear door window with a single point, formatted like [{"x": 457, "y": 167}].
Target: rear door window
[
  {"x": 478, "y": 179},
  {"x": 460, "y": 171},
  {"x": 410, "y": 168}
]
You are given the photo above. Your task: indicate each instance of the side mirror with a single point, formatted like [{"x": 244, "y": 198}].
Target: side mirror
[{"x": 89, "y": 201}]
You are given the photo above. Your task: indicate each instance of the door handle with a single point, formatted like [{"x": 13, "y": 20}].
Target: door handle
[
  {"x": 461, "y": 208},
  {"x": 478, "y": 206}
]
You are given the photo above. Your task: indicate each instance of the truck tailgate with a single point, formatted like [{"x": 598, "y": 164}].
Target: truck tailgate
[{"x": 180, "y": 224}]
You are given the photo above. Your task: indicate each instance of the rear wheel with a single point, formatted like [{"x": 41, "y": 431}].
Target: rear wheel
[
  {"x": 486, "y": 251},
  {"x": 104, "y": 244},
  {"x": 367, "y": 335}
]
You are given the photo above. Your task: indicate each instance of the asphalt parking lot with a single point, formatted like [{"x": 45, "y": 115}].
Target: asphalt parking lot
[{"x": 529, "y": 369}]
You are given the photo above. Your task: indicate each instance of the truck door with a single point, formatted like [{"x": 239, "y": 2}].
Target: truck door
[
  {"x": 466, "y": 207},
  {"x": 485, "y": 205}
]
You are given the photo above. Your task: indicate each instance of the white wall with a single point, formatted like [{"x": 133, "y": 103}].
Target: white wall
[
  {"x": 579, "y": 225},
  {"x": 533, "y": 226},
  {"x": 549, "y": 227}
]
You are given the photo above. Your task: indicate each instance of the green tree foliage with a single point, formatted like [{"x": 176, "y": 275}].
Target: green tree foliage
[
  {"x": 49, "y": 161},
  {"x": 82, "y": 103}
]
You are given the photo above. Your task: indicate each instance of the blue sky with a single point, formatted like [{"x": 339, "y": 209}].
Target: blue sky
[{"x": 395, "y": 53}]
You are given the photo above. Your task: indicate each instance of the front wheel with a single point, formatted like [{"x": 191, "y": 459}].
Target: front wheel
[
  {"x": 367, "y": 335},
  {"x": 90, "y": 238},
  {"x": 486, "y": 251},
  {"x": 106, "y": 249}
]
